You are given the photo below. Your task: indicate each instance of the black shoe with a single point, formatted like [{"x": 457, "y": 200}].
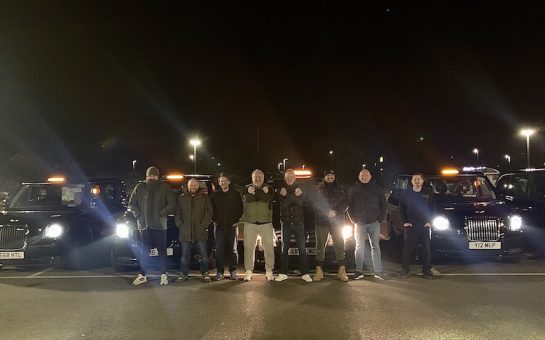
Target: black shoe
[
  {"x": 358, "y": 276},
  {"x": 428, "y": 275},
  {"x": 404, "y": 275}
]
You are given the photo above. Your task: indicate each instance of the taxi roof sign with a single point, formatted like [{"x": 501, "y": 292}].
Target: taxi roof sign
[
  {"x": 56, "y": 179},
  {"x": 450, "y": 172},
  {"x": 175, "y": 177},
  {"x": 302, "y": 173}
]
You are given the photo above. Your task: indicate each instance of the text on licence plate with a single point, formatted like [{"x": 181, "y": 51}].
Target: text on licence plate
[
  {"x": 9, "y": 255},
  {"x": 295, "y": 251},
  {"x": 484, "y": 245}
]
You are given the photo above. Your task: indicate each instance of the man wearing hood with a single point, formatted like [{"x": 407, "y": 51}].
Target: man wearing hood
[
  {"x": 151, "y": 202},
  {"x": 227, "y": 205},
  {"x": 193, "y": 216},
  {"x": 367, "y": 210},
  {"x": 330, "y": 206}
]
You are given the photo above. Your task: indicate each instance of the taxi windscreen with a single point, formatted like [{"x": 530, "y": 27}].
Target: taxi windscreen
[
  {"x": 462, "y": 188},
  {"x": 48, "y": 195}
]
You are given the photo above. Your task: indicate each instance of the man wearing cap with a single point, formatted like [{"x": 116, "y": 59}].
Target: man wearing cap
[
  {"x": 193, "y": 215},
  {"x": 367, "y": 210},
  {"x": 330, "y": 205},
  {"x": 257, "y": 217},
  {"x": 227, "y": 205},
  {"x": 151, "y": 201}
]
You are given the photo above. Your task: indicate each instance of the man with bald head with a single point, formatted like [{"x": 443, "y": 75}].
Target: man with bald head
[
  {"x": 193, "y": 215},
  {"x": 257, "y": 217},
  {"x": 367, "y": 210}
]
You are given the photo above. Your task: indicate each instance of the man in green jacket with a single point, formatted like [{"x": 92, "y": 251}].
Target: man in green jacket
[
  {"x": 257, "y": 217},
  {"x": 193, "y": 216},
  {"x": 151, "y": 202}
]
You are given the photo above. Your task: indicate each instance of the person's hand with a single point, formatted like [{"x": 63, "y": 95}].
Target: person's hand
[
  {"x": 266, "y": 189},
  {"x": 298, "y": 192},
  {"x": 251, "y": 190},
  {"x": 332, "y": 213},
  {"x": 407, "y": 225},
  {"x": 283, "y": 192},
  {"x": 427, "y": 225}
]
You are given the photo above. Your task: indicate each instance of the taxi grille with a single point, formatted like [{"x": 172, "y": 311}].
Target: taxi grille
[
  {"x": 482, "y": 229},
  {"x": 12, "y": 237}
]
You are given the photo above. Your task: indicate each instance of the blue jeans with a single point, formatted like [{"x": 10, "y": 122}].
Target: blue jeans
[
  {"x": 299, "y": 231},
  {"x": 150, "y": 239},
  {"x": 186, "y": 252},
  {"x": 373, "y": 230}
]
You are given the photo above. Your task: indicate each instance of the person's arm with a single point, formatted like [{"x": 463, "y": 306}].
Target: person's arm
[
  {"x": 239, "y": 208},
  {"x": 341, "y": 203},
  {"x": 133, "y": 202},
  {"x": 208, "y": 212},
  {"x": 263, "y": 196},
  {"x": 178, "y": 219},
  {"x": 170, "y": 207},
  {"x": 403, "y": 208},
  {"x": 351, "y": 209},
  {"x": 249, "y": 197}
]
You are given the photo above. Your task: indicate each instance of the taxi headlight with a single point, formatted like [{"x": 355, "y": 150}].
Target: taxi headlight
[
  {"x": 347, "y": 232},
  {"x": 515, "y": 222},
  {"x": 122, "y": 230},
  {"x": 54, "y": 230},
  {"x": 441, "y": 223}
]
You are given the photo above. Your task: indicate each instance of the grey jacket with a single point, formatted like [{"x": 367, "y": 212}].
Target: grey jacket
[
  {"x": 150, "y": 203},
  {"x": 193, "y": 215}
]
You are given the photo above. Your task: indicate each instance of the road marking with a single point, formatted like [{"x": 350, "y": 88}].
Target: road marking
[
  {"x": 435, "y": 271},
  {"x": 494, "y": 274},
  {"x": 41, "y": 272}
]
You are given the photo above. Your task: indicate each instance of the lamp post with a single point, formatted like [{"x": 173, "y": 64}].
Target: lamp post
[
  {"x": 508, "y": 158},
  {"x": 331, "y": 157},
  {"x": 195, "y": 142},
  {"x": 476, "y": 152},
  {"x": 527, "y": 133}
]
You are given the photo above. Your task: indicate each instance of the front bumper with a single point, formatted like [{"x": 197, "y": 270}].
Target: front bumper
[
  {"x": 37, "y": 255},
  {"x": 451, "y": 244}
]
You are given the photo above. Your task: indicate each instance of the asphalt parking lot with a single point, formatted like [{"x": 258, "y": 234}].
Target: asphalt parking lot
[{"x": 478, "y": 300}]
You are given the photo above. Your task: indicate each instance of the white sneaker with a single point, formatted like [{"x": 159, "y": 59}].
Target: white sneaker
[
  {"x": 307, "y": 278},
  {"x": 281, "y": 277},
  {"x": 269, "y": 276},
  {"x": 164, "y": 280},
  {"x": 248, "y": 276},
  {"x": 139, "y": 280}
]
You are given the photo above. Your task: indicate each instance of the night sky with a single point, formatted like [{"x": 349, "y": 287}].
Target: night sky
[{"x": 98, "y": 84}]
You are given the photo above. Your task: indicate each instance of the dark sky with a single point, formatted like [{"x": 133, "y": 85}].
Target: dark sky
[{"x": 103, "y": 83}]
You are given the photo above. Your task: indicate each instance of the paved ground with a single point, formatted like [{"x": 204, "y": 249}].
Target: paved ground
[{"x": 480, "y": 300}]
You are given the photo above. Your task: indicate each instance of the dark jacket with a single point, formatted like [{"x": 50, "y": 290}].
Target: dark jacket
[
  {"x": 291, "y": 205},
  {"x": 416, "y": 208},
  {"x": 330, "y": 196},
  {"x": 366, "y": 203},
  {"x": 193, "y": 216},
  {"x": 227, "y": 207},
  {"x": 151, "y": 202},
  {"x": 257, "y": 207}
]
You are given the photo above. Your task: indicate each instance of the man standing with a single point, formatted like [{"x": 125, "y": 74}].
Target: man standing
[
  {"x": 257, "y": 218},
  {"x": 416, "y": 210},
  {"x": 291, "y": 197},
  {"x": 193, "y": 216},
  {"x": 150, "y": 203},
  {"x": 227, "y": 205},
  {"x": 330, "y": 206},
  {"x": 367, "y": 210}
]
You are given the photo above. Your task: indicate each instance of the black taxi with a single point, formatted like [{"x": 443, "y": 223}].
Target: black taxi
[
  {"x": 470, "y": 220},
  {"x": 60, "y": 221},
  {"x": 124, "y": 250}
]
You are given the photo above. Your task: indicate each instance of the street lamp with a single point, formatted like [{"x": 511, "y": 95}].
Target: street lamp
[
  {"x": 133, "y": 164},
  {"x": 527, "y": 133},
  {"x": 476, "y": 152},
  {"x": 195, "y": 142},
  {"x": 508, "y": 159},
  {"x": 284, "y": 163},
  {"x": 331, "y": 157}
]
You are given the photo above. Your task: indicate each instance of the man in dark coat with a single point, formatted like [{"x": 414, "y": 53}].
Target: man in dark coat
[
  {"x": 193, "y": 215},
  {"x": 150, "y": 203},
  {"x": 227, "y": 205}
]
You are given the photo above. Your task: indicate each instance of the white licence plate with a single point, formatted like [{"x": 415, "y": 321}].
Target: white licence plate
[
  {"x": 155, "y": 252},
  {"x": 10, "y": 255},
  {"x": 295, "y": 251},
  {"x": 484, "y": 245}
]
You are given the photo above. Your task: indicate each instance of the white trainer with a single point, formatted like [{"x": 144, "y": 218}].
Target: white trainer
[
  {"x": 248, "y": 276},
  {"x": 281, "y": 277},
  {"x": 307, "y": 278},
  {"x": 164, "y": 280},
  {"x": 269, "y": 276},
  {"x": 139, "y": 280}
]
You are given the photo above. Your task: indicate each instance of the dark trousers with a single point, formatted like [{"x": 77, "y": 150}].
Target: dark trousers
[
  {"x": 150, "y": 239},
  {"x": 298, "y": 231},
  {"x": 335, "y": 228},
  {"x": 226, "y": 240},
  {"x": 186, "y": 253},
  {"x": 412, "y": 237}
]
